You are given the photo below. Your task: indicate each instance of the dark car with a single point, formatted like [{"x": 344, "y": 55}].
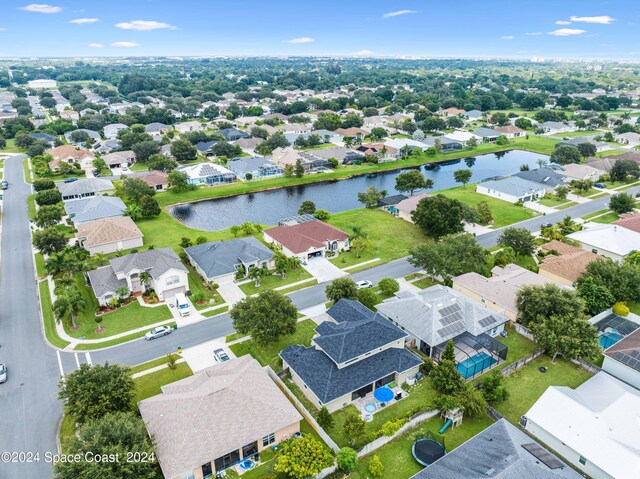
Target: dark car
[
  {"x": 5, "y": 185},
  {"x": 70, "y": 180},
  {"x": 599, "y": 185},
  {"x": 546, "y": 225}
]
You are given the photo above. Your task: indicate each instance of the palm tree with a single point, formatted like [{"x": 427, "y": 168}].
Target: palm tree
[
  {"x": 359, "y": 239},
  {"x": 55, "y": 264},
  {"x": 62, "y": 284},
  {"x": 100, "y": 259},
  {"x": 294, "y": 262},
  {"x": 145, "y": 279},
  {"x": 542, "y": 162},
  {"x": 282, "y": 264},
  {"x": 256, "y": 274},
  {"x": 71, "y": 303},
  {"x": 568, "y": 226},
  {"x": 133, "y": 211}
]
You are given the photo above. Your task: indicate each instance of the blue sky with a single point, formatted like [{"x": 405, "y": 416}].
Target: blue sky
[{"x": 430, "y": 28}]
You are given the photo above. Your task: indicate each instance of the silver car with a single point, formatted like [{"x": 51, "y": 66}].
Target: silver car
[
  {"x": 364, "y": 284},
  {"x": 3, "y": 373},
  {"x": 158, "y": 332},
  {"x": 220, "y": 355}
]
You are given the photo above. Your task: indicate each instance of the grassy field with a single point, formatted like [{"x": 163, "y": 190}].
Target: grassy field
[
  {"x": 150, "y": 384},
  {"x": 425, "y": 283},
  {"x": 580, "y": 133},
  {"x": 553, "y": 202},
  {"x": 197, "y": 287},
  {"x": 48, "y": 319},
  {"x": 40, "y": 269},
  {"x": 606, "y": 219},
  {"x": 504, "y": 213},
  {"x": 268, "y": 355},
  {"x": 389, "y": 237},
  {"x": 274, "y": 281},
  {"x": 113, "y": 342},
  {"x": 526, "y": 385},
  {"x": 161, "y": 361},
  {"x": 27, "y": 173},
  {"x": 519, "y": 347},
  {"x": 31, "y": 207},
  {"x": 215, "y": 312}
]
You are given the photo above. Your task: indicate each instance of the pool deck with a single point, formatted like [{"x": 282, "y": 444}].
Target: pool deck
[{"x": 369, "y": 399}]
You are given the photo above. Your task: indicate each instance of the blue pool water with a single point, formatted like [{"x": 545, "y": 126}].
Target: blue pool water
[
  {"x": 609, "y": 339},
  {"x": 474, "y": 364}
]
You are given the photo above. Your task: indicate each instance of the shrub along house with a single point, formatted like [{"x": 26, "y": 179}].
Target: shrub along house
[
  {"x": 353, "y": 353},
  {"x": 437, "y": 314},
  {"x": 212, "y": 420}
]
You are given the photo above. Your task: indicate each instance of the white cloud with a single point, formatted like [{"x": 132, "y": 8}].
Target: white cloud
[
  {"x": 125, "y": 44},
  {"x": 3, "y": 29},
  {"x": 96, "y": 45},
  {"x": 363, "y": 53},
  {"x": 397, "y": 13},
  {"x": 602, "y": 19},
  {"x": 81, "y": 21},
  {"x": 507, "y": 37},
  {"x": 567, "y": 32},
  {"x": 41, "y": 8},
  {"x": 145, "y": 25},
  {"x": 300, "y": 40},
  {"x": 533, "y": 34},
  {"x": 563, "y": 22}
]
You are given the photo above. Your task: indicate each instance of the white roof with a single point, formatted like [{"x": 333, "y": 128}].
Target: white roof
[
  {"x": 612, "y": 238},
  {"x": 398, "y": 143},
  {"x": 600, "y": 420},
  {"x": 462, "y": 136}
]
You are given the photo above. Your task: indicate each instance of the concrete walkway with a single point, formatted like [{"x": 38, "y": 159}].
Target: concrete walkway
[
  {"x": 323, "y": 270},
  {"x": 154, "y": 369},
  {"x": 354, "y": 266},
  {"x": 535, "y": 206}
]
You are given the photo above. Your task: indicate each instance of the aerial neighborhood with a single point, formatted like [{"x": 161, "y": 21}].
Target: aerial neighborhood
[{"x": 312, "y": 266}]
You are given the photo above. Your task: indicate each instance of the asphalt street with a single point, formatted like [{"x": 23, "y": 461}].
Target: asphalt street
[{"x": 29, "y": 408}]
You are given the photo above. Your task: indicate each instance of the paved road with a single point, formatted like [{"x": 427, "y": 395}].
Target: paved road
[{"x": 29, "y": 409}]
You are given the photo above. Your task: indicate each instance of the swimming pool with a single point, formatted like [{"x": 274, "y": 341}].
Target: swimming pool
[
  {"x": 609, "y": 339},
  {"x": 474, "y": 365}
]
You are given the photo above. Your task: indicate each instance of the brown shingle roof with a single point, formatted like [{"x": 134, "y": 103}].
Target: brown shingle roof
[
  {"x": 154, "y": 178},
  {"x": 570, "y": 265},
  {"x": 64, "y": 152},
  {"x": 631, "y": 222},
  {"x": 509, "y": 129},
  {"x": 313, "y": 234},
  {"x": 559, "y": 247},
  {"x": 216, "y": 411},
  {"x": 108, "y": 230}
]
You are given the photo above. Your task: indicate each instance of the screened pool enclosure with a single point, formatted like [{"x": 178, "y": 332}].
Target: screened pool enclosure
[{"x": 474, "y": 354}]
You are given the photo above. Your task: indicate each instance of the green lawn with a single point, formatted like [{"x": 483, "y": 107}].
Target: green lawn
[
  {"x": 67, "y": 432},
  {"x": 215, "y": 312},
  {"x": 40, "y": 269},
  {"x": 593, "y": 215},
  {"x": 389, "y": 237},
  {"x": 553, "y": 201},
  {"x": 11, "y": 147},
  {"x": 526, "y": 385},
  {"x": 569, "y": 205},
  {"x": 527, "y": 262},
  {"x": 519, "y": 347},
  {"x": 396, "y": 456},
  {"x": 420, "y": 395},
  {"x": 425, "y": 283},
  {"x": 150, "y": 364},
  {"x": 306, "y": 284},
  {"x": 113, "y": 342},
  {"x": 608, "y": 218},
  {"x": 610, "y": 153},
  {"x": 268, "y": 355},
  {"x": 579, "y": 133},
  {"x": 197, "y": 287},
  {"x": 31, "y": 207},
  {"x": 27, "y": 173},
  {"x": 584, "y": 194},
  {"x": 275, "y": 280},
  {"x": 48, "y": 319},
  {"x": 504, "y": 213},
  {"x": 139, "y": 167},
  {"x": 150, "y": 384}
]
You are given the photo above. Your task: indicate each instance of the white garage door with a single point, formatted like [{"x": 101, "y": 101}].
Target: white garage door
[{"x": 170, "y": 293}]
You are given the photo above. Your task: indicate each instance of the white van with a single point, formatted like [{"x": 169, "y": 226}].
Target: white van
[{"x": 182, "y": 304}]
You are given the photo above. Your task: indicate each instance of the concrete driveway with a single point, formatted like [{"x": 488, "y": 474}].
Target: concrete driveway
[
  {"x": 323, "y": 270},
  {"x": 201, "y": 356},
  {"x": 231, "y": 293}
]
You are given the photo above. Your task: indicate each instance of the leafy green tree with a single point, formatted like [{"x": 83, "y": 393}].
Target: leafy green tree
[
  {"x": 410, "y": 181},
  {"x": 134, "y": 188},
  {"x": 623, "y": 169},
  {"x": 562, "y": 192},
  {"x": 564, "y": 155},
  {"x": 179, "y": 181},
  {"x": 535, "y": 303},
  {"x": 621, "y": 280},
  {"x": 183, "y": 150},
  {"x": 376, "y": 468},
  {"x": 484, "y": 215},
  {"x": 347, "y": 459},
  {"x": 49, "y": 240},
  {"x": 587, "y": 149},
  {"x": 358, "y": 240},
  {"x": 452, "y": 256},
  {"x": 493, "y": 388},
  {"x": 298, "y": 170},
  {"x": 256, "y": 274},
  {"x": 113, "y": 433},
  {"x": 145, "y": 149},
  {"x": 162, "y": 163},
  {"x": 439, "y": 215},
  {"x": 445, "y": 403},
  {"x": 185, "y": 242},
  {"x": 622, "y": 203},
  {"x": 471, "y": 400},
  {"x": 44, "y": 184},
  {"x": 307, "y": 207},
  {"x": 445, "y": 378},
  {"x": 302, "y": 458},
  {"x": 341, "y": 288},
  {"x": 90, "y": 392},
  {"x": 388, "y": 286},
  {"x": 518, "y": 239},
  {"x": 462, "y": 176},
  {"x": 371, "y": 196},
  {"x": 99, "y": 164},
  {"x": 354, "y": 428},
  {"x": 325, "y": 419},
  {"x": 568, "y": 335},
  {"x": 449, "y": 352},
  {"x": 149, "y": 207},
  {"x": 596, "y": 297},
  {"x": 48, "y": 197},
  {"x": 48, "y": 215},
  {"x": 322, "y": 215},
  {"x": 266, "y": 316},
  {"x": 368, "y": 297}
]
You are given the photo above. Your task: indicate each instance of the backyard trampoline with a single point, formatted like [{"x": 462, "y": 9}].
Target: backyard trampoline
[{"x": 427, "y": 451}]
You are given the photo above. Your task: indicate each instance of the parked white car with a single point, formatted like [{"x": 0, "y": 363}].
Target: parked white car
[
  {"x": 3, "y": 373},
  {"x": 158, "y": 332},
  {"x": 220, "y": 355},
  {"x": 364, "y": 284}
]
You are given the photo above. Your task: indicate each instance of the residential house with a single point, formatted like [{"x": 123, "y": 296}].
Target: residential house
[
  {"x": 205, "y": 147},
  {"x": 111, "y": 131},
  {"x": 555, "y": 127},
  {"x": 451, "y": 112},
  {"x": 168, "y": 276},
  {"x": 94, "y": 135},
  {"x": 600, "y": 145},
  {"x": 447, "y": 145},
  {"x": 105, "y": 146},
  {"x": 512, "y": 189},
  {"x": 118, "y": 159},
  {"x": 188, "y": 126},
  {"x": 84, "y": 188},
  {"x": 70, "y": 154},
  {"x": 329, "y": 136},
  {"x": 256, "y": 166},
  {"x": 108, "y": 235},
  {"x": 631, "y": 139},
  {"x": 208, "y": 174},
  {"x": 629, "y": 221},
  {"x": 235, "y": 408},
  {"x": 498, "y": 293},
  {"x": 353, "y": 353},
  {"x": 158, "y": 180},
  {"x": 564, "y": 263},
  {"x": 49, "y": 139},
  {"x": 289, "y": 156},
  {"x": 232, "y": 134},
  {"x": 94, "y": 208},
  {"x": 399, "y": 143},
  {"x": 612, "y": 329},
  {"x": 344, "y": 155},
  {"x": 389, "y": 203},
  {"x": 511, "y": 131},
  {"x": 462, "y": 136},
  {"x": 353, "y": 132},
  {"x": 574, "y": 171},
  {"x": 381, "y": 150},
  {"x": 70, "y": 115},
  {"x": 438, "y": 314},
  {"x": 473, "y": 115},
  {"x": 294, "y": 128},
  {"x": 309, "y": 239},
  {"x": 405, "y": 208},
  {"x": 487, "y": 134},
  {"x": 156, "y": 130},
  {"x": 594, "y": 426},
  {"x": 219, "y": 261},
  {"x": 608, "y": 240},
  {"x": 501, "y": 451},
  {"x": 607, "y": 162},
  {"x": 622, "y": 358},
  {"x": 549, "y": 178},
  {"x": 249, "y": 145}
]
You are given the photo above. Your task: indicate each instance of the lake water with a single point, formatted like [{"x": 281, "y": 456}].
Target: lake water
[{"x": 268, "y": 207}]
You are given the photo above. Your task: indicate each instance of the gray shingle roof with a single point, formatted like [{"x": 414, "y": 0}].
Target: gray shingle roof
[
  {"x": 248, "y": 164},
  {"x": 497, "y": 453},
  {"x": 514, "y": 185},
  {"x": 438, "y": 314},
  {"x": 221, "y": 257},
  {"x": 545, "y": 176},
  {"x": 156, "y": 261},
  {"x": 358, "y": 331},
  {"x": 486, "y": 132},
  {"x": 94, "y": 208},
  {"x": 103, "y": 280},
  {"x": 327, "y": 382},
  {"x": 84, "y": 186}
]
